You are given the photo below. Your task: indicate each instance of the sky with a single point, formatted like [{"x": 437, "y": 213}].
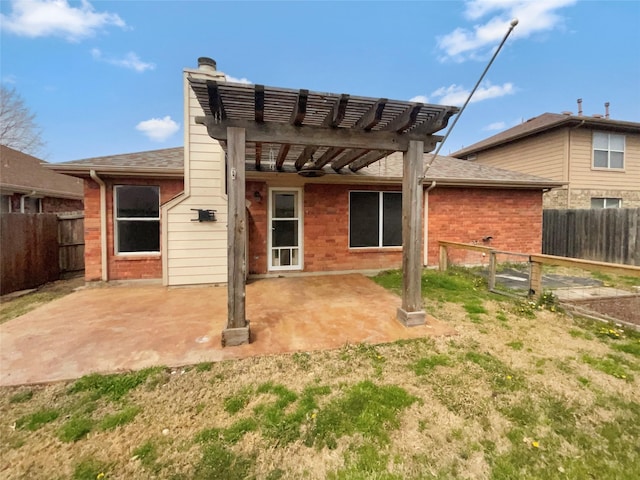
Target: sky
[{"x": 105, "y": 77}]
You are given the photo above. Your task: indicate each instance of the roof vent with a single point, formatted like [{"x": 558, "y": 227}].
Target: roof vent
[
  {"x": 567, "y": 112},
  {"x": 597, "y": 115}
]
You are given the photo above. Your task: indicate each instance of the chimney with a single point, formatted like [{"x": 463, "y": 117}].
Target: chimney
[
  {"x": 207, "y": 64},
  {"x": 579, "y": 107},
  {"x": 606, "y": 110}
]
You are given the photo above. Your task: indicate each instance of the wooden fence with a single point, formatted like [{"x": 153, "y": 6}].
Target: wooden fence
[
  {"x": 38, "y": 248},
  {"x": 606, "y": 235}
]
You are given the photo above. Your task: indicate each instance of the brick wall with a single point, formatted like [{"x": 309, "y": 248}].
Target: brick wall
[
  {"x": 326, "y": 231},
  {"x": 49, "y": 204},
  {"x": 120, "y": 267},
  {"x": 512, "y": 217}
]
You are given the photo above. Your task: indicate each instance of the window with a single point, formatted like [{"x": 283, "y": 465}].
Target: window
[
  {"x": 137, "y": 219},
  {"x": 31, "y": 205},
  {"x": 375, "y": 219},
  {"x": 606, "y": 202},
  {"x": 5, "y": 204},
  {"x": 608, "y": 150}
]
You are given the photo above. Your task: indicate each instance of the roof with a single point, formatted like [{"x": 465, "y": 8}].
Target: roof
[
  {"x": 23, "y": 173},
  {"x": 313, "y": 129},
  {"x": 444, "y": 170},
  {"x": 167, "y": 162},
  {"x": 546, "y": 122}
]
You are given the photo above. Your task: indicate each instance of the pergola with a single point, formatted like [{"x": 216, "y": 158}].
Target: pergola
[{"x": 309, "y": 131}]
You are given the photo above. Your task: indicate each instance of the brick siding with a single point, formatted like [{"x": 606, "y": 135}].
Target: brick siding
[
  {"x": 513, "y": 218},
  {"x": 49, "y": 204},
  {"x": 120, "y": 267}
]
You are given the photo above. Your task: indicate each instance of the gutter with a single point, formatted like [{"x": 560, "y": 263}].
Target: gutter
[
  {"x": 33, "y": 193},
  {"x": 104, "y": 270}
]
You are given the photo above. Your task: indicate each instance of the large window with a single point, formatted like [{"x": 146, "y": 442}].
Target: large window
[
  {"x": 608, "y": 150},
  {"x": 606, "y": 202},
  {"x": 137, "y": 219},
  {"x": 375, "y": 219}
]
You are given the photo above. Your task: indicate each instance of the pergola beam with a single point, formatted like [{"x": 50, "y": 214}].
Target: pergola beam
[
  {"x": 405, "y": 120},
  {"x": 347, "y": 158},
  {"x": 305, "y": 156},
  {"x": 281, "y": 133},
  {"x": 258, "y": 97},
  {"x": 258, "y": 155},
  {"x": 327, "y": 156},
  {"x": 300, "y": 109},
  {"x": 282, "y": 155},
  {"x": 337, "y": 113},
  {"x": 215, "y": 102},
  {"x": 368, "y": 159},
  {"x": 372, "y": 117}
]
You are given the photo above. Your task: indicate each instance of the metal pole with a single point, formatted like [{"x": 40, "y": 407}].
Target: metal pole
[{"x": 513, "y": 24}]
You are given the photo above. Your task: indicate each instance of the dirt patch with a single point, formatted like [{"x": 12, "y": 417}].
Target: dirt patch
[{"x": 625, "y": 309}]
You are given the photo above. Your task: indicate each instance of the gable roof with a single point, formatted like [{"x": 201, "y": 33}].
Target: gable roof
[
  {"x": 22, "y": 173},
  {"x": 166, "y": 162},
  {"x": 546, "y": 122},
  {"x": 444, "y": 170}
]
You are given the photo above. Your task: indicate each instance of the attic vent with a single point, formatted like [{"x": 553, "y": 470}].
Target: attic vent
[
  {"x": 597, "y": 115},
  {"x": 567, "y": 112},
  {"x": 472, "y": 157}
]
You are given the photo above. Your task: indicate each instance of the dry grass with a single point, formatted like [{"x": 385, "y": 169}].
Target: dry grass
[{"x": 508, "y": 397}]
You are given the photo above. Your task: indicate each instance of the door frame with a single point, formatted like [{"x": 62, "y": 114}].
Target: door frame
[{"x": 299, "y": 206}]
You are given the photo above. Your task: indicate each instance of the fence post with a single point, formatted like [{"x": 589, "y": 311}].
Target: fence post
[
  {"x": 492, "y": 270},
  {"x": 442, "y": 263},
  {"x": 535, "y": 279}
]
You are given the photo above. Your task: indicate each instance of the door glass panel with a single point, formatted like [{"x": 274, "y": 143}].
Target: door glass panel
[
  {"x": 285, "y": 233},
  {"x": 284, "y": 205}
]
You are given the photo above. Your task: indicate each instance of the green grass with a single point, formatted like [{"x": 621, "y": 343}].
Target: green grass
[
  {"x": 610, "y": 366},
  {"x": 516, "y": 345},
  {"x": 21, "y": 397},
  {"x": 19, "y": 306},
  {"x": 427, "y": 364},
  {"x": 36, "y": 420},
  {"x": 235, "y": 403},
  {"x": 114, "y": 386},
  {"x": 90, "y": 468},
  {"x": 119, "y": 419},
  {"x": 631, "y": 347},
  {"x": 364, "y": 408},
  {"x": 148, "y": 453},
  {"x": 76, "y": 428}
]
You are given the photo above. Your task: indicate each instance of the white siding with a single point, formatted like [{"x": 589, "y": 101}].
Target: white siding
[{"x": 196, "y": 252}]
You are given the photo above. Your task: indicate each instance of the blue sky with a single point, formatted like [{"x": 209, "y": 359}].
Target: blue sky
[{"x": 105, "y": 77}]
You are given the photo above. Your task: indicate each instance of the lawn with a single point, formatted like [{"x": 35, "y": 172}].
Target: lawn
[{"x": 523, "y": 391}]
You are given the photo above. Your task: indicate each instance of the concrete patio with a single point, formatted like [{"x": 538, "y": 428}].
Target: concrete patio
[{"x": 128, "y": 327}]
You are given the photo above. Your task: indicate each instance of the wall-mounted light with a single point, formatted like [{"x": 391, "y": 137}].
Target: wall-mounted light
[{"x": 257, "y": 195}]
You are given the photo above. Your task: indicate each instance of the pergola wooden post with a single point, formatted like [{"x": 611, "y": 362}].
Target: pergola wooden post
[
  {"x": 411, "y": 312},
  {"x": 341, "y": 131},
  {"x": 237, "y": 331}
]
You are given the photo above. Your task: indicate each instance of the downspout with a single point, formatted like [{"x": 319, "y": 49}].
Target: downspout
[
  {"x": 103, "y": 225},
  {"x": 425, "y": 253}
]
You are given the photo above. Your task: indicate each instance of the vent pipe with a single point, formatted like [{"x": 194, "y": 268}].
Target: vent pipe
[
  {"x": 606, "y": 110},
  {"x": 207, "y": 64},
  {"x": 579, "y": 107}
]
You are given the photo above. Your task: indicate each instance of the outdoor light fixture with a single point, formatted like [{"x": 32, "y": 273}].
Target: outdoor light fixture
[{"x": 257, "y": 195}]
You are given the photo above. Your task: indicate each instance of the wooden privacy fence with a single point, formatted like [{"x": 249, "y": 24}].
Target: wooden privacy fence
[
  {"x": 37, "y": 248},
  {"x": 607, "y": 235}
]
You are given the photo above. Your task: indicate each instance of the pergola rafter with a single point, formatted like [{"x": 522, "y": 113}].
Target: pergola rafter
[{"x": 341, "y": 130}]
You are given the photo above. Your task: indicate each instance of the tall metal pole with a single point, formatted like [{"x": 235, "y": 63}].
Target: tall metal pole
[{"x": 512, "y": 25}]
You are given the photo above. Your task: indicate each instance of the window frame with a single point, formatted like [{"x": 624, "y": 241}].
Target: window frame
[
  {"x": 605, "y": 200},
  {"x": 117, "y": 219},
  {"x": 609, "y": 150},
  {"x": 381, "y": 222}
]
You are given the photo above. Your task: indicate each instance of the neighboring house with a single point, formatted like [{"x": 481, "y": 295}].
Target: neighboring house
[
  {"x": 598, "y": 159},
  {"x": 27, "y": 186},
  {"x": 150, "y": 215}
]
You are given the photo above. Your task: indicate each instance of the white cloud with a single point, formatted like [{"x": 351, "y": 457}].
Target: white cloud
[
  {"x": 44, "y": 18},
  {"x": 10, "y": 79},
  {"x": 237, "y": 80},
  {"x": 130, "y": 61},
  {"x": 495, "y": 126},
  {"x": 420, "y": 99},
  {"x": 477, "y": 41},
  {"x": 158, "y": 129},
  {"x": 457, "y": 95}
]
